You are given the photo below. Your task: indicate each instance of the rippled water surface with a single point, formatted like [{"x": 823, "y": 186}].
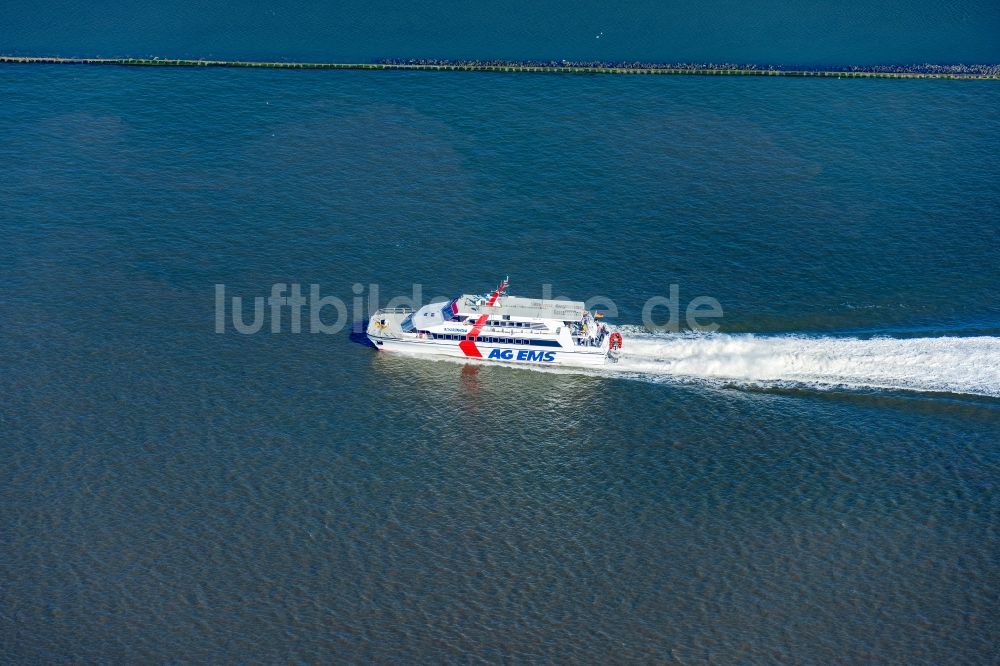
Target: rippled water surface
[
  {"x": 816, "y": 483},
  {"x": 811, "y": 33}
]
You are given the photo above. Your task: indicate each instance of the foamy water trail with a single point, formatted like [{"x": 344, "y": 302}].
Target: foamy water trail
[{"x": 949, "y": 364}]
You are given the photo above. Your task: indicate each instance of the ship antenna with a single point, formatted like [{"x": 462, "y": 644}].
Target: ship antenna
[{"x": 496, "y": 294}]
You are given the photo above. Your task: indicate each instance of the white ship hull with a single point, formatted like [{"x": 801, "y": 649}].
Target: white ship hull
[
  {"x": 496, "y": 353},
  {"x": 498, "y": 329}
]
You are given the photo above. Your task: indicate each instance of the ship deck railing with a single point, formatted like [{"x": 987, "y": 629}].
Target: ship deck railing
[{"x": 401, "y": 310}]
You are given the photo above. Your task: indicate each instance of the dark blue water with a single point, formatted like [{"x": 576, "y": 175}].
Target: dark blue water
[
  {"x": 170, "y": 494},
  {"x": 850, "y": 32}
]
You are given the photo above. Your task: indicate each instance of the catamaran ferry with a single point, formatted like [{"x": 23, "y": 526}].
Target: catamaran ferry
[{"x": 501, "y": 328}]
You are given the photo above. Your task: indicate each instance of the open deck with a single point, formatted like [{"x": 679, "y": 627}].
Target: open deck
[{"x": 516, "y": 306}]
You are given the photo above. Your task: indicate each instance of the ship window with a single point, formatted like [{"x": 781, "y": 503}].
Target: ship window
[{"x": 505, "y": 317}]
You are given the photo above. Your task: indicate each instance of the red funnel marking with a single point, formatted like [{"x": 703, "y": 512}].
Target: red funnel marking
[{"x": 468, "y": 346}]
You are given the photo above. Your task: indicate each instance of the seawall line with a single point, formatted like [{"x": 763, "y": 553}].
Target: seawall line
[{"x": 533, "y": 69}]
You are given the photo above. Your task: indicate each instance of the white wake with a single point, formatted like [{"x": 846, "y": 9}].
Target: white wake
[{"x": 946, "y": 364}]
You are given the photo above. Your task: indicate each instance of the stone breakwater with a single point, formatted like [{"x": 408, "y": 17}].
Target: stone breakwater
[
  {"x": 925, "y": 68},
  {"x": 925, "y": 71}
]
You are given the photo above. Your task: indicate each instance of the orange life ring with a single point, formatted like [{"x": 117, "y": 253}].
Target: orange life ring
[{"x": 616, "y": 341}]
